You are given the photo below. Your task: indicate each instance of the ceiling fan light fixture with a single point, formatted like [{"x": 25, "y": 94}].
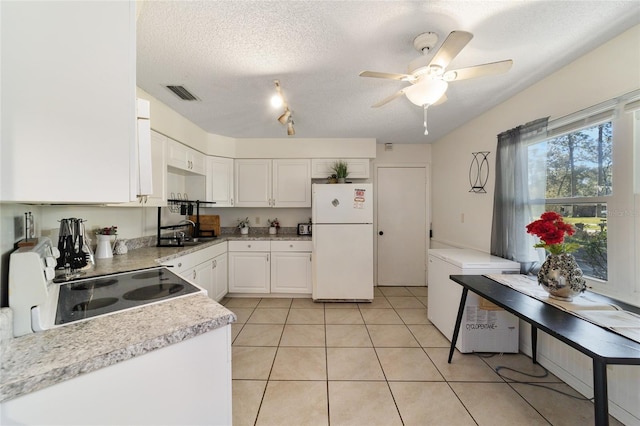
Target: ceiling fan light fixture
[{"x": 427, "y": 92}]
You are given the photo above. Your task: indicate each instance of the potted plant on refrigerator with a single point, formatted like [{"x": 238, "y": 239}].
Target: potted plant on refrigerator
[{"x": 341, "y": 170}]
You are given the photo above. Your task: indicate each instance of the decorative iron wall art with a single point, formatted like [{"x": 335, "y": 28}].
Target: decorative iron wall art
[{"x": 479, "y": 172}]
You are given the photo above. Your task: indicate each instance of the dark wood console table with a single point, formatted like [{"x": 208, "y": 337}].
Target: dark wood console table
[{"x": 601, "y": 345}]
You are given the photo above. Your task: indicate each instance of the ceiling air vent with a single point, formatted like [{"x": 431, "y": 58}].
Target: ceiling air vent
[{"x": 182, "y": 93}]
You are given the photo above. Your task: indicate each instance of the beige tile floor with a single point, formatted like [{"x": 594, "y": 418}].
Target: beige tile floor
[{"x": 296, "y": 362}]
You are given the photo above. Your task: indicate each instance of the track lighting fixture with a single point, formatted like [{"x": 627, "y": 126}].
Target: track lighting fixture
[
  {"x": 284, "y": 117},
  {"x": 278, "y": 100},
  {"x": 290, "y": 130}
]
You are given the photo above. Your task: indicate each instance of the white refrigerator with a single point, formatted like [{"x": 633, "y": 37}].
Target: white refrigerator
[
  {"x": 484, "y": 327},
  {"x": 342, "y": 235}
]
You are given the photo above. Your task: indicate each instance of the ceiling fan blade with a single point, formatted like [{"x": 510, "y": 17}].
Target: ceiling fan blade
[
  {"x": 442, "y": 100},
  {"x": 478, "y": 71},
  {"x": 388, "y": 99},
  {"x": 454, "y": 43},
  {"x": 388, "y": 76}
]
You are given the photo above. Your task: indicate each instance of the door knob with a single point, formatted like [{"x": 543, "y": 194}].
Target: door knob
[{"x": 380, "y": 233}]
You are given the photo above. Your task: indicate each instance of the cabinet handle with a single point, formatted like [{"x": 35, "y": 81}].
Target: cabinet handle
[
  {"x": 232, "y": 201},
  {"x": 309, "y": 257},
  {"x": 180, "y": 265},
  {"x": 290, "y": 245},
  {"x": 249, "y": 245},
  {"x": 194, "y": 274},
  {"x": 267, "y": 258}
]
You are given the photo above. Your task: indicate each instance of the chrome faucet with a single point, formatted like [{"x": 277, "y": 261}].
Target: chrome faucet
[{"x": 187, "y": 221}]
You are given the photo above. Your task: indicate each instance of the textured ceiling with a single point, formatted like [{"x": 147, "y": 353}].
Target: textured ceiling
[{"x": 228, "y": 53}]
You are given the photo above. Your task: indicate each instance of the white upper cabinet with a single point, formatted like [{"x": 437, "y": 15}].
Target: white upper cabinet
[
  {"x": 358, "y": 168},
  {"x": 219, "y": 185},
  {"x": 158, "y": 198},
  {"x": 68, "y": 100},
  {"x": 252, "y": 183},
  {"x": 291, "y": 183},
  {"x": 272, "y": 183},
  {"x": 184, "y": 158}
]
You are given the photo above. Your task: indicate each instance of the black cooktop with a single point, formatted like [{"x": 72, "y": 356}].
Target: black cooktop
[{"x": 97, "y": 296}]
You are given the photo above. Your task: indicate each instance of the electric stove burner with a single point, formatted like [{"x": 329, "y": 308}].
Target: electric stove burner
[
  {"x": 107, "y": 294},
  {"x": 156, "y": 291},
  {"x": 92, "y": 304},
  {"x": 145, "y": 275},
  {"x": 92, "y": 285}
]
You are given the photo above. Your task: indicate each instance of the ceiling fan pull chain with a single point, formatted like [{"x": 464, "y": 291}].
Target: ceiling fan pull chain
[{"x": 426, "y": 132}]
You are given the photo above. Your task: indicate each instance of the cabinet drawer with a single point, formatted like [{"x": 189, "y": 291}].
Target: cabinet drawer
[
  {"x": 249, "y": 245},
  {"x": 291, "y": 246}
]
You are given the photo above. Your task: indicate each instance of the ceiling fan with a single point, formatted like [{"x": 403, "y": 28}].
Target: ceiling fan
[{"x": 430, "y": 79}]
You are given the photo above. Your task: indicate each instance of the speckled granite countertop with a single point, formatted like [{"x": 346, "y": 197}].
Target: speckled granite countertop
[
  {"x": 149, "y": 257},
  {"x": 39, "y": 360}
]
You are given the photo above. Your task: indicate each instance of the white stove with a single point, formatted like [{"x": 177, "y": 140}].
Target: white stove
[{"x": 39, "y": 303}]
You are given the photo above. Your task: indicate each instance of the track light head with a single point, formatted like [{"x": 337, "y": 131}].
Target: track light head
[{"x": 285, "y": 117}]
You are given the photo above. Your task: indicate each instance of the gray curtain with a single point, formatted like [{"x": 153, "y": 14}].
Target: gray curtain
[{"x": 511, "y": 204}]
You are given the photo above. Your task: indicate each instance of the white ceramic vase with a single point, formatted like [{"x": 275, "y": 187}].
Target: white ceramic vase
[{"x": 104, "y": 249}]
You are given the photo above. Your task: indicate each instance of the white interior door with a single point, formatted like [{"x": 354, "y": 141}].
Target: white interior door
[{"x": 401, "y": 226}]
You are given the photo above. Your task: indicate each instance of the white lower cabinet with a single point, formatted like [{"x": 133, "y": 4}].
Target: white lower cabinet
[
  {"x": 290, "y": 267},
  {"x": 185, "y": 383},
  {"x": 220, "y": 272},
  {"x": 207, "y": 268},
  {"x": 249, "y": 270},
  {"x": 270, "y": 267}
]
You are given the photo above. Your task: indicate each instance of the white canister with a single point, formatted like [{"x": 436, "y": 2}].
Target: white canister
[{"x": 104, "y": 249}]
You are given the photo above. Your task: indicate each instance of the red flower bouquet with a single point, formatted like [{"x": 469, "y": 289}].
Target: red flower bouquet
[{"x": 551, "y": 230}]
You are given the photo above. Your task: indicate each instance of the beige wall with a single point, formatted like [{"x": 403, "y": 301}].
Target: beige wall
[{"x": 608, "y": 71}]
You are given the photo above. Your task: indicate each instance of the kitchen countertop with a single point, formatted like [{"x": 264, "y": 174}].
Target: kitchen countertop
[
  {"x": 32, "y": 362},
  {"x": 149, "y": 257},
  {"x": 39, "y": 360}
]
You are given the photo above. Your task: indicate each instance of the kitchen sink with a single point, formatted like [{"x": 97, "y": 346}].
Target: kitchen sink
[{"x": 198, "y": 241}]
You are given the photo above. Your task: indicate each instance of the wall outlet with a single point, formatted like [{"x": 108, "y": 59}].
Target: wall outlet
[{"x": 461, "y": 217}]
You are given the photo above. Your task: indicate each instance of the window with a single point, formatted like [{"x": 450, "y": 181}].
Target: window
[{"x": 571, "y": 174}]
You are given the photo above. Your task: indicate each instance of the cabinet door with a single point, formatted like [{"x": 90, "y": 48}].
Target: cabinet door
[
  {"x": 249, "y": 272},
  {"x": 158, "y": 172},
  {"x": 220, "y": 283},
  {"x": 196, "y": 162},
  {"x": 291, "y": 183},
  {"x": 252, "y": 183},
  {"x": 291, "y": 272},
  {"x": 177, "y": 154},
  {"x": 68, "y": 101},
  {"x": 220, "y": 181},
  {"x": 202, "y": 275}
]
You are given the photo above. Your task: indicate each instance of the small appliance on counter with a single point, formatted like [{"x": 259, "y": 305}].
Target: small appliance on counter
[
  {"x": 304, "y": 229},
  {"x": 40, "y": 303}
]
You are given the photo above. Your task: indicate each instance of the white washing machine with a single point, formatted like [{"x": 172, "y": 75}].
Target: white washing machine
[{"x": 485, "y": 327}]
